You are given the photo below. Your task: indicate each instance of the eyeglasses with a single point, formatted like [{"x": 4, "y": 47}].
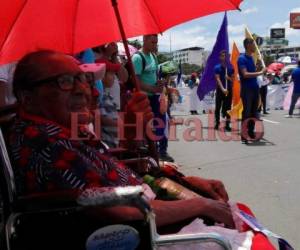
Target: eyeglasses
[{"x": 67, "y": 82}]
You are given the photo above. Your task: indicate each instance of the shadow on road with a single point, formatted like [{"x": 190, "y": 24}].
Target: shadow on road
[{"x": 262, "y": 142}]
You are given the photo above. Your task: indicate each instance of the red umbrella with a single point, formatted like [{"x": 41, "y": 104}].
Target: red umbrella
[
  {"x": 70, "y": 26},
  {"x": 275, "y": 67}
]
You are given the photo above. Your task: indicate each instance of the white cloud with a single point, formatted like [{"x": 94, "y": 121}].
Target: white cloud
[
  {"x": 295, "y": 10},
  {"x": 195, "y": 30},
  {"x": 236, "y": 29},
  {"x": 179, "y": 41},
  {"x": 182, "y": 39},
  {"x": 205, "y": 36},
  {"x": 250, "y": 10},
  {"x": 238, "y": 41},
  {"x": 288, "y": 30}
]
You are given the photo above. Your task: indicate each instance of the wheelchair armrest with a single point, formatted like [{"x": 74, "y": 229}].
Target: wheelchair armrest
[
  {"x": 47, "y": 201},
  {"x": 75, "y": 199},
  {"x": 169, "y": 239}
]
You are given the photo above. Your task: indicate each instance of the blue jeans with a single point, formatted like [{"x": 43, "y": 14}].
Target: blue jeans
[
  {"x": 294, "y": 100},
  {"x": 162, "y": 143}
]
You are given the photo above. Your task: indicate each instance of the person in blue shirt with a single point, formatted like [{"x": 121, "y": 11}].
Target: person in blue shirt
[
  {"x": 249, "y": 89},
  {"x": 296, "y": 90},
  {"x": 224, "y": 79},
  {"x": 87, "y": 56}
]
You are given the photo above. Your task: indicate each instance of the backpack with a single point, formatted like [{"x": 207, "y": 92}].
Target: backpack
[{"x": 129, "y": 84}]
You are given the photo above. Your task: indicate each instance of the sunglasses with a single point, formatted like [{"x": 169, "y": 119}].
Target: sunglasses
[{"x": 67, "y": 82}]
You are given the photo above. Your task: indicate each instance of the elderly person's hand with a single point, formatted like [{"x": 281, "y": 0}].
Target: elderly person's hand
[
  {"x": 220, "y": 212},
  {"x": 139, "y": 103},
  {"x": 213, "y": 188}
]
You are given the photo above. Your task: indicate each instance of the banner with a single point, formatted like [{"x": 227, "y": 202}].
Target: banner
[
  {"x": 279, "y": 97},
  {"x": 288, "y": 97},
  {"x": 275, "y": 97},
  {"x": 208, "y": 102}
]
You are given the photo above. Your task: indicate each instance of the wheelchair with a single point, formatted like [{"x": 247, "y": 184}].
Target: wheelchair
[{"x": 59, "y": 221}]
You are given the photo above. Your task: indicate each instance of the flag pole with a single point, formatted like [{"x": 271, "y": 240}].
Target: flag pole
[{"x": 226, "y": 80}]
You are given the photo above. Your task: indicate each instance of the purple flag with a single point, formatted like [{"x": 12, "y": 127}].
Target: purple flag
[{"x": 208, "y": 81}]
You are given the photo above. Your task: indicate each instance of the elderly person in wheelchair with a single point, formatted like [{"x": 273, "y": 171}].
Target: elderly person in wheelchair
[
  {"x": 48, "y": 162},
  {"x": 49, "y": 86}
]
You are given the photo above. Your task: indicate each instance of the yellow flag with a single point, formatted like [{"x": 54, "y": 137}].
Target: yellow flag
[
  {"x": 256, "y": 55},
  {"x": 236, "y": 112}
]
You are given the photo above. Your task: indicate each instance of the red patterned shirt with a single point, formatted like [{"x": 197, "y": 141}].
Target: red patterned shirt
[{"x": 46, "y": 159}]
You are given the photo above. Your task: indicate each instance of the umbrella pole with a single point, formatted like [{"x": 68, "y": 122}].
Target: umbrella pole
[
  {"x": 124, "y": 39},
  {"x": 152, "y": 145}
]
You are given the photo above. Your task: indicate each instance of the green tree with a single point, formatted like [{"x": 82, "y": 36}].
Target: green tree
[
  {"x": 135, "y": 43},
  {"x": 161, "y": 58},
  {"x": 188, "y": 69}
]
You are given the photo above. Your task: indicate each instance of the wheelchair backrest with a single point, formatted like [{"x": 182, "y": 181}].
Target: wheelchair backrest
[{"x": 7, "y": 179}]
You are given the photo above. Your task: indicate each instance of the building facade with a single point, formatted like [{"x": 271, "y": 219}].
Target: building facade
[
  {"x": 292, "y": 51},
  {"x": 192, "y": 55},
  {"x": 277, "y": 48}
]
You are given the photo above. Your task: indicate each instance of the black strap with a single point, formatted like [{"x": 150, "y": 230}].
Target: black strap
[{"x": 143, "y": 59}]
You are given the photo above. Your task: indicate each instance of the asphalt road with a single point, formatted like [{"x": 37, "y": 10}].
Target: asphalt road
[{"x": 265, "y": 175}]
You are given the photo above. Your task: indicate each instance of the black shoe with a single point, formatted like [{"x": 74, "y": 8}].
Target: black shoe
[
  {"x": 227, "y": 128},
  {"x": 266, "y": 113},
  {"x": 166, "y": 157},
  {"x": 244, "y": 140}
]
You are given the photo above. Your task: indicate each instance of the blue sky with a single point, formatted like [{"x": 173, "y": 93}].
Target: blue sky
[{"x": 258, "y": 15}]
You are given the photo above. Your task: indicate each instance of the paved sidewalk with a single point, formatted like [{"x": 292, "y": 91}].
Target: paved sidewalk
[{"x": 265, "y": 176}]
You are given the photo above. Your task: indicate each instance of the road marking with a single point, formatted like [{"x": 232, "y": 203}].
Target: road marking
[{"x": 265, "y": 120}]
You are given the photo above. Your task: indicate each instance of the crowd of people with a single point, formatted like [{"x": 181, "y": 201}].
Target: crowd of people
[{"x": 49, "y": 87}]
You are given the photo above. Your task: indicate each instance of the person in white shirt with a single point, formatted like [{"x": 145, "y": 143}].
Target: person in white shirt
[
  {"x": 6, "y": 78},
  {"x": 263, "y": 82}
]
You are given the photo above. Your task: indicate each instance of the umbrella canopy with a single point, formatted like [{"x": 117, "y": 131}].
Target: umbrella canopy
[
  {"x": 275, "y": 67},
  {"x": 70, "y": 26},
  {"x": 122, "y": 52}
]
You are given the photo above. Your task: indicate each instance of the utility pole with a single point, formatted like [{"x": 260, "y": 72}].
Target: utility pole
[{"x": 170, "y": 43}]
